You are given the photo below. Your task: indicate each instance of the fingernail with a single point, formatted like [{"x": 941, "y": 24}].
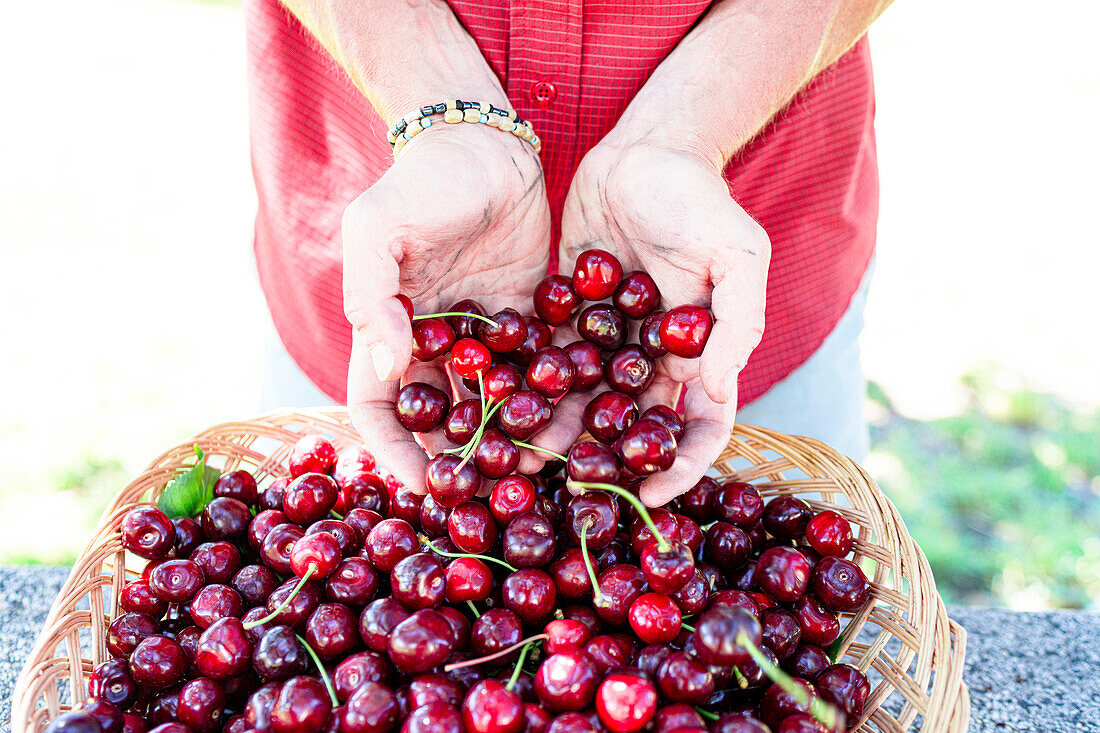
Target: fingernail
[{"x": 382, "y": 357}]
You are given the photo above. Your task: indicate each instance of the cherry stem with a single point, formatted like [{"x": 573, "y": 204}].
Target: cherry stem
[
  {"x": 336, "y": 514},
  {"x": 444, "y": 553},
  {"x": 286, "y": 601},
  {"x": 519, "y": 665},
  {"x": 687, "y": 627},
  {"x": 471, "y": 444},
  {"x": 459, "y": 314},
  {"x": 705, "y": 713},
  {"x": 597, "y": 594},
  {"x": 535, "y": 448},
  {"x": 823, "y": 711},
  {"x": 321, "y": 669},
  {"x": 662, "y": 543},
  {"x": 477, "y": 613},
  {"x": 741, "y": 681},
  {"x": 468, "y": 452},
  {"x": 494, "y": 655}
]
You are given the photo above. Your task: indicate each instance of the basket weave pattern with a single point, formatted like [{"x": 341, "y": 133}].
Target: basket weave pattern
[{"x": 903, "y": 640}]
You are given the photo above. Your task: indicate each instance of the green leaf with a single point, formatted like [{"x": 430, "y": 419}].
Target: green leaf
[{"x": 188, "y": 493}]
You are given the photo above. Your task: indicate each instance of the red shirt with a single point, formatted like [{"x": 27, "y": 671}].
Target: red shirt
[{"x": 571, "y": 67}]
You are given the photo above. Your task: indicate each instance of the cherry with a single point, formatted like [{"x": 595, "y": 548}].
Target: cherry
[
  {"x": 682, "y": 679},
  {"x": 176, "y": 581},
  {"x": 783, "y": 572},
  {"x": 422, "y": 641},
  {"x": 649, "y": 335},
  {"x": 608, "y": 414},
  {"x": 468, "y": 579},
  {"x": 225, "y": 519},
  {"x": 490, "y": 707},
  {"x": 501, "y": 381},
  {"x": 257, "y": 711},
  {"x": 781, "y": 631},
  {"x": 217, "y": 560},
  {"x": 188, "y": 535},
  {"x": 158, "y": 662},
  {"x": 417, "y": 581},
  {"x": 637, "y": 295},
  {"x": 564, "y": 633},
  {"x": 75, "y": 721},
  {"x": 495, "y": 630},
  {"x": 839, "y": 584},
  {"x": 302, "y": 601},
  {"x": 689, "y": 531},
  {"x": 818, "y": 624},
  {"x": 404, "y": 506},
  {"x": 309, "y": 497},
  {"x": 372, "y": 708},
  {"x": 641, "y": 535},
  {"x": 646, "y": 447},
  {"x": 685, "y": 329},
  {"x": 429, "y": 688},
  {"x": 530, "y": 594},
  {"x": 471, "y": 528},
  {"x": 214, "y": 602},
  {"x": 432, "y": 338},
  {"x": 332, "y": 630},
  {"x": 830, "y": 534},
  {"x": 224, "y": 650},
  {"x": 106, "y": 714},
  {"x": 603, "y": 325},
  {"x": 148, "y": 532},
  {"x": 433, "y": 517},
  {"x": 803, "y": 723},
  {"x": 353, "y": 583},
  {"x": 574, "y": 723},
  {"x": 536, "y": 719},
  {"x": 587, "y": 365},
  {"x": 551, "y": 372},
  {"x": 668, "y": 569},
  {"x": 364, "y": 520},
  {"x": 279, "y": 655},
  {"x": 312, "y": 454},
  {"x": 389, "y": 542},
  {"x": 626, "y": 702},
  {"x": 239, "y": 484},
  {"x": 722, "y": 635},
  {"x": 378, "y": 620},
  {"x": 317, "y": 554},
  {"x": 845, "y": 687},
  {"x": 496, "y": 455},
  {"x": 726, "y": 546},
  {"x": 655, "y": 618},
  {"x": 420, "y": 407},
  {"x": 347, "y": 538},
  {"x": 619, "y": 586},
  {"x": 786, "y": 517},
  {"x": 435, "y": 717},
  {"x": 465, "y": 326},
  {"x": 692, "y": 596},
  {"x": 592, "y": 462},
  {"x": 567, "y": 680},
  {"x": 555, "y": 300},
  {"x": 138, "y": 597},
  {"x": 303, "y": 705},
  {"x": 507, "y": 333},
  {"x": 629, "y": 370},
  {"x": 596, "y": 274},
  {"x": 778, "y": 704},
  {"x": 523, "y": 414},
  {"x": 538, "y": 338},
  {"x": 529, "y": 541},
  {"x": 807, "y": 661},
  {"x": 678, "y": 715},
  {"x": 739, "y": 503},
  {"x": 463, "y": 421},
  {"x": 511, "y": 496},
  {"x": 460, "y": 626},
  {"x": 112, "y": 682},
  {"x": 275, "y": 550},
  {"x": 570, "y": 575},
  {"x": 200, "y": 706},
  {"x": 450, "y": 485},
  {"x": 357, "y": 669},
  {"x": 356, "y": 461},
  {"x": 254, "y": 583},
  {"x": 271, "y": 497},
  {"x": 470, "y": 357},
  {"x": 265, "y": 521}
]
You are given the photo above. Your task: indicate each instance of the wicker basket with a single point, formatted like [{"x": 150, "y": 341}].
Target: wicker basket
[{"x": 904, "y": 640}]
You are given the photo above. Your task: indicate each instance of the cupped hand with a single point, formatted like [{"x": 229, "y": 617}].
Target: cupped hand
[
  {"x": 462, "y": 213},
  {"x": 670, "y": 213}
]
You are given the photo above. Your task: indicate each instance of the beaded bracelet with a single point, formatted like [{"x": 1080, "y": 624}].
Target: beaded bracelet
[{"x": 455, "y": 111}]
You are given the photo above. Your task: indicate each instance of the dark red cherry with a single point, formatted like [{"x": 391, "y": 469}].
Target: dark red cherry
[
  {"x": 698, "y": 503},
  {"x": 353, "y": 583},
  {"x": 564, "y": 633},
  {"x": 819, "y": 625},
  {"x": 507, "y": 333},
  {"x": 158, "y": 662},
  {"x": 112, "y": 682},
  {"x": 347, "y": 537},
  {"x": 309, "y": 498},
  {"x": 671, "y": 419},
  {"x": 537, "y": 718},
  {"x": 619, "y": 585},
  {"x": 726, "y": 546},
  {"x": 587, "y": 365},
  {"x": 692, "y": 596},
  {"x": 685, "y": 329},
  {"x": 682, "y": 679},
  {"x": 649, "y": 335},
  {"x": 360, "y": 668},
  {"x": 594, "y": 514},
  {"x": 224, "y": 650},
  {"x": 629, "y": 370},
  {"x": 678, "y": 715},
  {"x": 462, "y": 421},
  {"x": 448, "y": 487},
  {"x": 529, "y": 540},
  {"x": 332, "y": 630},
  {"x": 422, "y": 641},
  {"x": 538, "y": 338},
  {"x": 739, "y": 503},
  {"x": 254, "y": 583},
  {"x": 511, "y": 496},
  {"x": 275, "y": 551},
  {"x": 239, "y": 485},
  {"x": 465, "y": 326},
  {"x": 435, "y": 717},
  {"x": 138, "y": 597},
  {"x": 303, "y": 705},
  {"x": 432, "y": 338},
  {"x": 786, "y": 517},
  {"x": 845, "y": 687},
  {"x": 318, "y": 553},
  {"x": 265, "y": 521},
  {"x": 807, "y": 661},
  {"x": 667, "y": 570},
  {"x": 214, "y": 602},
  {"x": 783, "y": 572},
  {"x": 188, "y": 535},
  {"x": 417, "y": 581},
  {"x": 148, "y": 532},
  {"x": 500, "y": 382},
  {"x": 830, "y": 534},
  {"x": 406, "y": 303},
  {"x": 523, "y": 414},
  {"x": 75, "y": 721},
  {"x": 107, "y": 714},
  {"x": 530, "y": 594},
  {"x": 378, "y": 621},
  {"x": 495, "y": 630},
  {"x": 593, "y": 462},
  {"x": 570, "y": 575},
  {"x": 433, "y": 517},
  {"x": 271, "y": 496},
  {"x": 839, "y": 584},
  {"x": 467, "y": 579},
  {"x": 372, "y": 708},
  {"x": 225, "y": 519},
  {"x": 176, "y": 581},
  {"x": 567, "y": 681},
  {"x": 555, "y": 300},
  {"x": 460, "y": 626},
  {"x": 646, "y": 447},
  {"x": 596, "y": 274},
  {"x": 780, "y": 631},
  {"x": 490, "y": 707},
  {"x": 637, "y": 295},
  {"x": 603, "y": 325},
  {"x": 257, "y": 711},
  {"x": 608, "y": 414},
  {"x": 389, "y": 542},
  {"x": 364, "y": 520},
  {"x": 496, "y": 455},
  {"x": 219, "y": 561},
  {"x": 778, "y": 704},
  {"x": 279, "y": 655},
  {"x": 626, "y": 702},
  {"x": 551, "y": 372},
  {"x": 469, "y": 357},
  {"x": 471, "y": 528},
  {"x": 718, "y": 636},
  {"x": 655, "y": 618},
  {"x": 300, "y": 605},
  {"x": 312, "y": 454},
  {"x": 421, "y": 407}
]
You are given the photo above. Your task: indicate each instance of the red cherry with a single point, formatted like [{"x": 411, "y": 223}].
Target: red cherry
[
  {"x": 406, "y": 304},
  {"x": 626, "y": 702},
  {"x": 312, "y": 454},
  {"x": 432, "y": 338},
  {"x": 469, "y": 356},
  {"x": 655, "y": 618},
  {"x": 637, "y": 295},
  {"x": 555, "y": 299},
  {"x": 685, "y": 329},
  {"x": 596, "y": 274},
  {"x": 830, "y": 534}
]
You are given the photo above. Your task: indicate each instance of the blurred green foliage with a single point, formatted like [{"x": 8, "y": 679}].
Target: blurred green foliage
[{"x": 1003, "y": 498}]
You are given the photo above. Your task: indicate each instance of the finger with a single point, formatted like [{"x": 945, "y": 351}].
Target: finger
[
  {"x": 371, "y": 285},
  {"x": 663, "y": 390},
  {"x": 430, "y": 373},
  {"x": 707, "y": 431},
  {"x": 529, "y": 462},
  {"x": 370, "y": 403},
  {"x": 566, "y": 425}
]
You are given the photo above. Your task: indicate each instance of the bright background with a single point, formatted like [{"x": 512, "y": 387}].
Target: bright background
[{"x": 132, "y": 316}]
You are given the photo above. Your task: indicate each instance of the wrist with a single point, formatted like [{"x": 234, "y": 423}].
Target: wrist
[{"x": 651, "y": 126}]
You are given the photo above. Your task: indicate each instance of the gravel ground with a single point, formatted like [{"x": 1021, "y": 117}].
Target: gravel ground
[{"x": 1025, "y": 671}]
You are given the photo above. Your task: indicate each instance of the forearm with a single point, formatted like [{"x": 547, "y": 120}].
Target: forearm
[
  {"x": 401, "y": 55},
  {"x": 743, "y": 63}
]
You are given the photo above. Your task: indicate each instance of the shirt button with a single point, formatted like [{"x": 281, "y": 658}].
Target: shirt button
[{"x": 543, "y": 93}]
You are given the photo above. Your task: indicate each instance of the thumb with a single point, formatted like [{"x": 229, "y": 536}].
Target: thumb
[{"x": 371, "y": 284}]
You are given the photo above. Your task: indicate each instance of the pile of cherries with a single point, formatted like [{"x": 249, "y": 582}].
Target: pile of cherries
[
  {"x": 335, "y": 599},
  {"x": 516, "y": 374}
]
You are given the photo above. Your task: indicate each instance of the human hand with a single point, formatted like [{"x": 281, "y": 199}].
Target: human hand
[
  {"x": 669, "y": 212},
  {"x": 461, "y": 214}
]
